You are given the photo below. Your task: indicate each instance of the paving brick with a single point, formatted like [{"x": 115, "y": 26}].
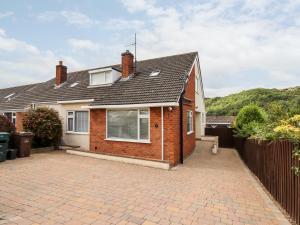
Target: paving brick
[{"x": 57, "y": 188}]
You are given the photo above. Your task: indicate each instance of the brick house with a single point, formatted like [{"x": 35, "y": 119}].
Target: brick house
[{"x": 151, "y": 110}]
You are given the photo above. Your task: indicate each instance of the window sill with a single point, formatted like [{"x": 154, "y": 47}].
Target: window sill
[
  {"x": 191, "y": 132},
  {"x": 80, "y": 133},
  {"x": 128, "y": 140}
]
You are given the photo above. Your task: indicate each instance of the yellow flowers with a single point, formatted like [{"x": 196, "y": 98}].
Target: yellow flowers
[{"x": 289, "y": 128}]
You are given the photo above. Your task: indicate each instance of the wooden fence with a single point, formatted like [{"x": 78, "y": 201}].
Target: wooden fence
[
  {"x": 271, "y": 162},
  {"x": 225, "y": 135}
]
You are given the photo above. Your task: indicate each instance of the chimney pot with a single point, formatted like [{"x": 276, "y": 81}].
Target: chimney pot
[
  {"x": 61, "y": 73},
  {"x": 127, "y": 64}
]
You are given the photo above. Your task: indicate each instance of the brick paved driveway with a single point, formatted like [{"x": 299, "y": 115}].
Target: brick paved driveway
[{"x": 56, "y": 188}]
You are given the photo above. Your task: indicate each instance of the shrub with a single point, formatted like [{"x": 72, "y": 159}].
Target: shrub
[
  {"x": 250, "y": 121},
  {"x": 289, "y": 129},
  {"x": 45, "y": 124},
  {"x": 6, "y": 125}
]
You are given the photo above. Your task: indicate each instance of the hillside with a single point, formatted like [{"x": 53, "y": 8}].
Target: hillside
[{"x": 230, "y": 105}]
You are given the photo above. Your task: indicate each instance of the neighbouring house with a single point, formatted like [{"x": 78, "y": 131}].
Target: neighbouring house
[
  {"x": 154, "y": 110},
  {"x": 219, "y": 121}
]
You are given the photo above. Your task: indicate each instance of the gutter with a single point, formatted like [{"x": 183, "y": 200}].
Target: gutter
[{"x": 131, "y": 105}]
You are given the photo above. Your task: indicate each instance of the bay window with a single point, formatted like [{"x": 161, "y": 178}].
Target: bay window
[
  {"x": 78, "y": 121},
  {"x": 131, "y": 124},
  {"x": 190, "y": 122}
]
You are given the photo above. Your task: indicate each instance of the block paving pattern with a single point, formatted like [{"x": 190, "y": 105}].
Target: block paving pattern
[{"x": 57, "y": 188}]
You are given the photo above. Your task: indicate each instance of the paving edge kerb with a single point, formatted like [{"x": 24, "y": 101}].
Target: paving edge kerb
[
  {"x": 140, "y": 162},
  {"x": 265, "y": 195}
]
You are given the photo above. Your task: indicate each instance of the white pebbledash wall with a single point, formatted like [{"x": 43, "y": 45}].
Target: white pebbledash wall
[
  {"x": 200, "y": 116},
  {"x": 73, "y": 139}
]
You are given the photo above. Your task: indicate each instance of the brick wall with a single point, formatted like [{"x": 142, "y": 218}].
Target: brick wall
[
  {"x": 189, "y": 139},
  {"x": 122, "y": 148},
  {"x": 19, "y": 121}
]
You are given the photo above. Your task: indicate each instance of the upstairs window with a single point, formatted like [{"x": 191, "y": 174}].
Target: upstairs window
[
  {"x": 190, "y": 128},
  {"x": 197, "y": 84},
  {"x": 100, "y": 78}
]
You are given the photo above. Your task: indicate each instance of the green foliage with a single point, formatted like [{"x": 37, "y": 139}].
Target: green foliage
[
  {"x": 286, "y": 100},
  {"x": 6, "y": 125},
  {"x": 250, "y": 114},
  {"x": 289, "y": 129},
  {"x": 45, "y": 124}
]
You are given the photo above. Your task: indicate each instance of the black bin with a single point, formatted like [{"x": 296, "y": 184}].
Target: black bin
[
  {"x": 4, "y": 139},
  {"x": 11, "y": 154}
]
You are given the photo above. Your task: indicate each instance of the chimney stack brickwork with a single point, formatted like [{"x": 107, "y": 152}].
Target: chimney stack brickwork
[
  {"x": 61, "y": 73},
  {"x": 127, "y": 64}
]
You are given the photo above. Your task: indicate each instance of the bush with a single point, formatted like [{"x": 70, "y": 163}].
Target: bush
[
  {"x": 250, "y": 120},
  {"x": 46, "y": 126},
  {"x": 6, "y": 125}
]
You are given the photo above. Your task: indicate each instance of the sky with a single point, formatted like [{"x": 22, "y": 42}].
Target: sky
[{"x": 241, "y": 44}]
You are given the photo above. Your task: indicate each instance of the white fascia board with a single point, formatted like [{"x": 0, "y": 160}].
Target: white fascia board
[
  {"x": 12, "y": 110},
  {"x": 100, "y": 70},
  {"x": 75, "y": 101},
  {"x": 131, "y": 105}
]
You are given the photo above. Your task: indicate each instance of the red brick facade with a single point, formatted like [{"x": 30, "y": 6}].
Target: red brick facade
[
  {"x": 127, "y": 64},
  {"x": 19, "y": 121},
  {"x": 152, "y": 150},
  {"x": 61, "y": 73}
]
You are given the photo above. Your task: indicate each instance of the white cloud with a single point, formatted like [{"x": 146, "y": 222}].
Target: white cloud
[
  {"x": 231, "y": 36},
  {"x": 22, "y": 63},
  {"x": 71, "y": 17},
  {"x": 122, "y": 24},
  {"x": 76, "y": 18},
  {"x": 6, "y": 14},
  {"x": 80, "y": 44}
]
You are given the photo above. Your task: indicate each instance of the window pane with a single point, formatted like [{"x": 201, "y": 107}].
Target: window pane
[
  {"x": 8, "y": 115},
  {"x": 144, "y": 128},
  {"x": 98, "y": 79},
  {"x": 70, "y": 124},
  {"x": 144, "y": 112},
  {"x": 122, "y": 124},
  {"x": 81, "y": 121}
]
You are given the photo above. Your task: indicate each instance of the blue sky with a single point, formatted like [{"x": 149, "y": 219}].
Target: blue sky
[{"x": 241, "y": 44}]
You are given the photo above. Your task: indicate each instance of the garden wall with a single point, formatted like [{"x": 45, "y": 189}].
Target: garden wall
[{"x": 271, "y": 162}]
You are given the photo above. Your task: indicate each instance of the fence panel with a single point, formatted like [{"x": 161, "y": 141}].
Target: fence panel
[
  {"x": 271, "y": 162},
  {"x": 225, "y": 135}
]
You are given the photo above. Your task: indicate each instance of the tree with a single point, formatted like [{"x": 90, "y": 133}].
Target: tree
[
  {"x": 250, "y": 120},
  {"x": 45, "y": 124}
]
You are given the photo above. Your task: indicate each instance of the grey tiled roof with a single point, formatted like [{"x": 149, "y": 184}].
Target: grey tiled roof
[{"x": 139, "y": 89}]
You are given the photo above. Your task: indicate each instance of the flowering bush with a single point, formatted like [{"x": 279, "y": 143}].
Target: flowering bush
[
  {"x": 45, "y": 124},
  {"x": 290, "y": 129},
  {"x": 6, "y": 125}
]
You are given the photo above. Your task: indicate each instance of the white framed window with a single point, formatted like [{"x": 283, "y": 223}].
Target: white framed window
[
  {"x": 190, "y": 128},
  {"x": 77, "y": 121},
  {"x": 100, "y": 78},
  {"x": 197, "y": 84},
  {"x": 11, "y": 116},
  {"x": 128, "y": 125}
]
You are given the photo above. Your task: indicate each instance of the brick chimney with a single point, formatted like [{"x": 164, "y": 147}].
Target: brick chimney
[
  {"x": 127, "y": 64},
  {"x": 61, "y": 73}
]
